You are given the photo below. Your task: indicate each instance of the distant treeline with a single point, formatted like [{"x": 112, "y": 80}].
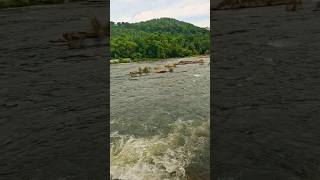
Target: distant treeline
[{"x": 158, "y": 38}]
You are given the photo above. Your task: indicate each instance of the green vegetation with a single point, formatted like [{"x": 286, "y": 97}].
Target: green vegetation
[
  {"x": 157, "y": 38},
  {"x": 146, "y": 69}
]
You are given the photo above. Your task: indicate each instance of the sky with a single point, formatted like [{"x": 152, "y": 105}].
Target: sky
[{"x": 196, "y": 12}]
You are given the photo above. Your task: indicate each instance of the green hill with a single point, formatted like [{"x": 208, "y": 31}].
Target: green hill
[{"x": 157, "y": 38}]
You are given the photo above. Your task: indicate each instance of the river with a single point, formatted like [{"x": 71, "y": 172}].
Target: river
[{"x": 160, "y": 121}]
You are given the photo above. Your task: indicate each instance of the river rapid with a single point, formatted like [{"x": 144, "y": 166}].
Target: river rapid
[{"x": 160, "y": 121}]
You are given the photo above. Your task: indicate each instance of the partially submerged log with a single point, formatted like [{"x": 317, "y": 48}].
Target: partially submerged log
[
  {"x": 161, "y": 71},
  {"x": 191, "y": 62}
]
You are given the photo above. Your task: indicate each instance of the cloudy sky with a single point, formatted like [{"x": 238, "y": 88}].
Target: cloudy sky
[{"x": 196, "y": 12}]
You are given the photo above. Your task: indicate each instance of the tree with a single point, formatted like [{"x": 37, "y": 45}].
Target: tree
[{"x": 158, "y": 38}]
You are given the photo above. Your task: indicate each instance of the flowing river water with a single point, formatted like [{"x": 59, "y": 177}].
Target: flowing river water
[{"x": 160, "y": 122}]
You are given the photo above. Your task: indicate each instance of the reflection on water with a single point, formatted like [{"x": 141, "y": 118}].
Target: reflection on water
[{"x": 159, "y": 122}]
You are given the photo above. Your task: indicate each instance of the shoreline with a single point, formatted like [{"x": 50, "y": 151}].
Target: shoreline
[{"x": 159, "y": 60}]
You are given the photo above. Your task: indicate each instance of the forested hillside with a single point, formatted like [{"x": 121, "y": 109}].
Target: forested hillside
[{"x": 157, "y": 38}]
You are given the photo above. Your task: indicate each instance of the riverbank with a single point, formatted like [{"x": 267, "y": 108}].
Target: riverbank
[{"x": 128, "y": 60}]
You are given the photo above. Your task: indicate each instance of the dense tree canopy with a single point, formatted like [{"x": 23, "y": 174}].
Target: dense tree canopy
[{"x": 157, "y": 38}]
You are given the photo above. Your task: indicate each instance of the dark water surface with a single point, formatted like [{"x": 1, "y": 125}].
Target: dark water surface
[
  {"x": 53, "y": 117},
  {"x": 266, "y": 76}
]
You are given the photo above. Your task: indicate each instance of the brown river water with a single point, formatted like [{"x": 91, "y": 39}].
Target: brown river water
[{"x": 160, "y": 121}]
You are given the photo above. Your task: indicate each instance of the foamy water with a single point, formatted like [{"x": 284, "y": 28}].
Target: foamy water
[
  {"x": 158, "y": 157},
  {"x": 159, "y": 122}
]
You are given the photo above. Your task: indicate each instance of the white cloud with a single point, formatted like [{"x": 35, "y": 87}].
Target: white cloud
[
  {"x": 193, "y": 11},
  {"x": 189, "y": 9},
  {"x": 125, "y": 1},
  {"x": 202, "y": 23}
]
